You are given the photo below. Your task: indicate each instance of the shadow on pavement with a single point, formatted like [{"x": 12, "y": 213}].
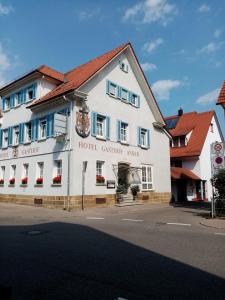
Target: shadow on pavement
[{"x": 69, "y": 261}]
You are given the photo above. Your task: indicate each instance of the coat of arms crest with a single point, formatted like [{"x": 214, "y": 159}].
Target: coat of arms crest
[{"x": 83, "y": 123}]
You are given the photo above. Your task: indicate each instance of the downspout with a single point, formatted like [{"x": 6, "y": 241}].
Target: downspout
[{"x": 69, "y": 154}]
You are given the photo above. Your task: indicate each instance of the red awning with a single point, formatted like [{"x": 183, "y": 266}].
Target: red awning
[{"x": 183, "y": 173}]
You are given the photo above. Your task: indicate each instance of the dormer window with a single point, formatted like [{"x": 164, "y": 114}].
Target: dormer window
[{"x": 179, "y": 141}]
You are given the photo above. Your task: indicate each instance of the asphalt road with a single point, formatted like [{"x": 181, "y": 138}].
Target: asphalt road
[{"x": 144, "y": 252}]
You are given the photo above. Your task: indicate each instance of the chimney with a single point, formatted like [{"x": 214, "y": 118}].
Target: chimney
[{"x": 180, "y": 112}]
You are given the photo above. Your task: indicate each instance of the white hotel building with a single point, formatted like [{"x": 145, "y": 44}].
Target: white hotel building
[{"x": 83, "y": 133}]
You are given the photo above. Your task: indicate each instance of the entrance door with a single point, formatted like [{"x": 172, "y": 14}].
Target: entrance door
[
  {"x": 182, "y": 190},
  {"x": 123, "y": 171}
]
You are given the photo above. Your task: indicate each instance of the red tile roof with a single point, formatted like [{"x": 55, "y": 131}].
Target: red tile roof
[
  {"x": 45, "y": 70},
  {"x": 221, "y": 98},
  {"x": 79, "y": 75},
  {"x": 183, "y": 173},
  {"x": 198, "y": 124}
]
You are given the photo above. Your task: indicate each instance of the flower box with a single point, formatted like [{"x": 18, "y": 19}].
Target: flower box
[
  {"x": 1, "y": 181},
  {"x": 100, "y": 179},
  {"x": 24, "y": 180},
  {"x": 57, "y": 179},
  {"x": 39, "y": 181},
  {"x": 12, "y": 181}
]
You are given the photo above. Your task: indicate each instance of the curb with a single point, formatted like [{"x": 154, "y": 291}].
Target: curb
[{"x": 217, "y": 227}]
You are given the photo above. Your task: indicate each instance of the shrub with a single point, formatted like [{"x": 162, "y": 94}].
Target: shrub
[
  {"x": 135, "y": 189},
  {"x": 218, "y": 181},
  {"x": 39, "y": 180}
]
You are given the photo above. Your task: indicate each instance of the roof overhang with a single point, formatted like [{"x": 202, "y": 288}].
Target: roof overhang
[{"x": 183, "y": 173}]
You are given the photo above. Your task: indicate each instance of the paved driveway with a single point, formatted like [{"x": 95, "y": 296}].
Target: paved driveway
[{"x": 144, "y": 252}]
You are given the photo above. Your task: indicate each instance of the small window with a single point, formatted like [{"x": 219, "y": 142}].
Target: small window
[
  {"x": 182, "y": 141},
  {"x": 211, "y": 127},
  {"x": 144, "y": 141},
  {"x": 134, "y": 99},
  {"x": 25, "y": 170},
  {"x": 124, "y": 94},
  {"x": 100, "y": 128},
  {"x": 123, "y": 67},
  {"x": 176, "y": 142},
  {"x": 30, "y": 93},
  {"x": 5, "y": 138},
  {"x": 40, "y": 173},
  {"x": 16, "y": 135},
  {"x": 57, "y": 176},
  {"x": 99, "y": 172},
  {"x": 28, "y": 132},
  {"x": 13, "y": 172},
  {"x": 43, "y": 129},
  {"x": 147, "y": 183},
  {"x": 112, "y": 88},
  {"x": 2, "y": 175},
  {"x": 7, "y": 103},
  {"x": 18, "y": 98},
  {"x": 123, "y": 132}
]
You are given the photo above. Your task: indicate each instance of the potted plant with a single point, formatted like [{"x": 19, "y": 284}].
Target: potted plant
[
  {"x": 135, "y": 189},
  {"x": 39, "y": 180},
  {"x": 57, "y": 179},
  {"x": 12, "y": 181},
  {"x": 24, "y": 180},
  {"x": 2, "y": 181},
  {"x": 100, "y": 179}
]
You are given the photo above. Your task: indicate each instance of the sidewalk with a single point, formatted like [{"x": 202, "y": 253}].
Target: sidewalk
[{"x": 215, "y": 223}]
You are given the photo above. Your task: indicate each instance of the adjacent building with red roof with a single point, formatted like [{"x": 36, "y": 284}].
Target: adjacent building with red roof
[
  {"x": 192, "y": 134},
  {"x": 221, "y": 98}
]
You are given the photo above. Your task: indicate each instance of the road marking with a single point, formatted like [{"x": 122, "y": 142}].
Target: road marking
[
  {"x": 133, "y": 220},
  {"x": 179, "y": 224},
  {"x": 219, "y": 233},
  {"x": 95, "y": 218}
]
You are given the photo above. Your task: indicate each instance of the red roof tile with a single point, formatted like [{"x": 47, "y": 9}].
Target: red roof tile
[
  {"x": 51, "y": 72},
  {"x": 198, "y": 124},
  {"x": 221, "y": 98},
  {"x": 183, "y": 173},
  {"x": 79, "y": 75}
]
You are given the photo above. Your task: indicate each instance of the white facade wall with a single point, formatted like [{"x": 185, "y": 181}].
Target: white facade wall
[{"x": 89, "y": 149}]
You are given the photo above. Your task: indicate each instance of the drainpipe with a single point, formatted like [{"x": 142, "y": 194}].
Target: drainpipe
[{"x": 69, "y": 154}]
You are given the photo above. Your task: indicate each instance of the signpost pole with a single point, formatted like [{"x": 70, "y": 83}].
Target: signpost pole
[{"x": 83, "y": 183}]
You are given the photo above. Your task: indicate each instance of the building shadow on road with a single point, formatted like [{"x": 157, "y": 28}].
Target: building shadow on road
[{"x": 69, "y": 261}]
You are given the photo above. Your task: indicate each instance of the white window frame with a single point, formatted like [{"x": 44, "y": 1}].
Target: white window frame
[
  {"x": 13, "y": 172},
  {"x": 28, "y": 132},
  {"x": 114, "y": 86},
  {"x": 124, "y": 132},
  {"x": 30, "y": 89},
  {"x": 147, "y": 177},
  {"x": 100, "y": 126},
  {"x": 134, "y": 99},
  {"x": 143, "y": 133},
  {"x": 5, "y": 133},
  {"x": 25, "y": 172},
  {"x": 126, "y": 93},
  {"x": 18, "y": 98},
  {"x": 16, "y": 135},
  {"x": 100, "y": 169},
  {"x": 42, "y": 129},
  {"x": 58, "y": 167},
  {"x": 2, "y": 175},
  {"x": 7, "y": 103},
  {"x": 40, "y": 169}
]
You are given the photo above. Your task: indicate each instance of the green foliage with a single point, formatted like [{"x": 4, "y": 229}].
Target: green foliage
[
  {"x": 121, "y": 189},
  {"x": 218, "y": 181},
  {"x": 135, "y": 189}
]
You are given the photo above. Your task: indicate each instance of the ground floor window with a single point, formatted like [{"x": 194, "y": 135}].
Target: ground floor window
[
  {"x": 57, "y": 176},
  {"x": 12, "y": 178},
  {"x": 25, "y": 174},
  {"x": 40, "y": 173},
  {"x": 147, "y": 182},
  {"x": 2, "y": 175},
  {"x": 100, "y": 172}
]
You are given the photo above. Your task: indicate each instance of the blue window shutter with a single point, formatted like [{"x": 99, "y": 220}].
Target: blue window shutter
[
  {"x": 21, "y": 133},
  {"x": 148, "y": 138},
  {"x": 36, "y": 129},
  {"x": 118, "y": 130},
  {"x": 24, "y": 92},
  {"x": 119, "y": 91},
  {"x": 33, "y": 130},
  {"x": 107, "y": 86},
  {"x": 3, "y": 104},
  {"x": 50, "y": 125},
  {"x": 139, "y": 136},
  {"x": 10, "y": 136},
  {"x": 138, "y": 101},
  {"x": 12, "y": 101},
  {"x": 107, "y": 128},
  {"x": 34, "y": 90},
  {"x": 93, "y": 123},
  {"x": 1, "y": 138}
]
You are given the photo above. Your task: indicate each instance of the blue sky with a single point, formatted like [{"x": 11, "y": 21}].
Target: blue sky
[{"x": 180, "y": 44}]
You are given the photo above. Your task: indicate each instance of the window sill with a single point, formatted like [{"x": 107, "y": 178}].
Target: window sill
[
  {"x": 42, "y": 139},
  {"x": 27, "y": 143},
  {"x": 100, "y": 184},
  {"x": 11, "y": 185},
  {"x": 38, "y": 185},
  {"x": 1, "y": 185},
  {"x": 4, "y": 147},
  {"x": 6, "y": 110},
  {"x": 145, "y": 147},
  {"x": 23, "y": 185},
  {"x": 112, "y": 95},
  {"x": 15, "y": 145},
  {"x": 30, "y": 100},
  {"x": 56, "y": 184},
  {"x": 100, "y": 138},
  {"x": 124, "y": 143},
  {"x": 151, "y": 190},
  {"x": 18, "y": 105}
]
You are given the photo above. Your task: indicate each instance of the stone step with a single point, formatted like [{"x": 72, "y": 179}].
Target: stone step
[{"x": 128, "y": 203}]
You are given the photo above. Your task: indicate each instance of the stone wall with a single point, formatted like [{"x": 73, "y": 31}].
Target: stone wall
[{"x": 75, "y": 202}]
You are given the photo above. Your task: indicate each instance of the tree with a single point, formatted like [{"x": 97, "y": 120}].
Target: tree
[{"x": 218, "y": 181}]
